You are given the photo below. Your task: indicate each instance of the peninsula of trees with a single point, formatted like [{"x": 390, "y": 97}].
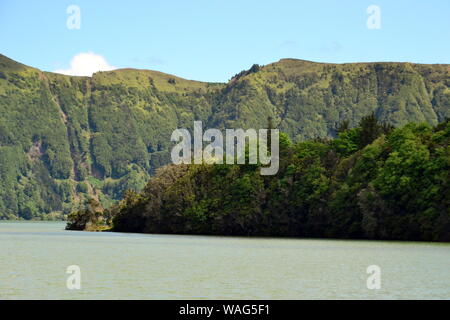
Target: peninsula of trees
[{"x": 371, "y": 182}]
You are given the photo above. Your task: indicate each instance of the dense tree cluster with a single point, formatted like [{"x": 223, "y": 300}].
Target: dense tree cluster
[
  {"x": 371, "y": 182},
  {"x": 93, "y": 217}
]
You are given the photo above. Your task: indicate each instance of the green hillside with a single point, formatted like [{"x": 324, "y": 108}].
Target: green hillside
[{"x": 65, "y": 139}]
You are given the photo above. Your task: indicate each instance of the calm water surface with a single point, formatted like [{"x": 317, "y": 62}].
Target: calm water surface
[{"x": 34, "y": 257}]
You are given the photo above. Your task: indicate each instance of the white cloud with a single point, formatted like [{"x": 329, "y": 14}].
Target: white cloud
[{"x": 85, "y": 64}]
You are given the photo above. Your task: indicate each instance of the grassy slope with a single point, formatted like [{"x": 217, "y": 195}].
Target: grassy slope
[{"x": 63, "y": 138}]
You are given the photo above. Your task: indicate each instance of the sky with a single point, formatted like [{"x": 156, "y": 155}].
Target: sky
[{"x": 211, "y": 40}]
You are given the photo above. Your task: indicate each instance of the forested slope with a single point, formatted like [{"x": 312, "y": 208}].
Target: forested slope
[{"x": 65, "y": 139}]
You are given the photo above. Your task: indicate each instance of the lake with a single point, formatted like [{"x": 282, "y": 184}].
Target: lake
[{"x": 34, "y": 257}]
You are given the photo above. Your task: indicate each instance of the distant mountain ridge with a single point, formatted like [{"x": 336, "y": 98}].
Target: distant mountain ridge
[{"x": 64, "y": 139}]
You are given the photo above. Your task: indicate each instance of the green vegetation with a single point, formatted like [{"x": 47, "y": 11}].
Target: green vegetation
[
  {"x": 392, "y": 185},
  {"x": 64, "y": 140},
  {"x": 92, "y": 218}
]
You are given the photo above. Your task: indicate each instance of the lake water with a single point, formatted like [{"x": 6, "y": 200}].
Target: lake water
[{"x": 34, "y": 257}]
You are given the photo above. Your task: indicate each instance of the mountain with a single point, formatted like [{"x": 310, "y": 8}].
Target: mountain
[{"x": 64, "y": 139}]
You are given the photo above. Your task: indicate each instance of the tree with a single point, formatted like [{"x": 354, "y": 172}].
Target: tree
[
  {"x": 343, "y": 126},
  {"x": 370, "y": 130}
]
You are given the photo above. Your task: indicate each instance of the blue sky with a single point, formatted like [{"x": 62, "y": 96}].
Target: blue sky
[{"x": 211, "y": 40}]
